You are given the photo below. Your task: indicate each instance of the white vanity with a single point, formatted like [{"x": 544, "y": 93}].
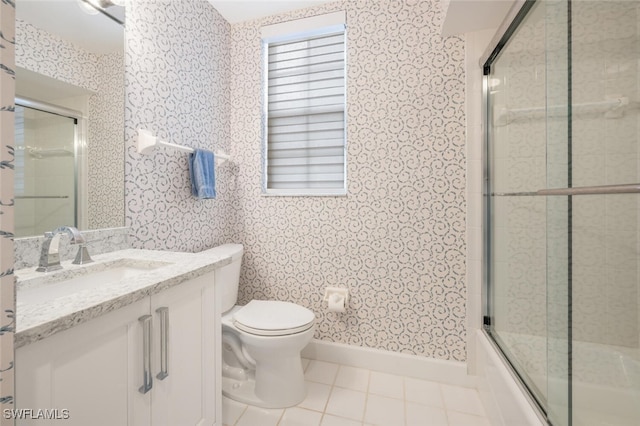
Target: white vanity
[{"x": 131, "y": 339}]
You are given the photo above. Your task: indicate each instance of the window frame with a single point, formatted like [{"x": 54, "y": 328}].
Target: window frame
[{"x": 291, "y": 36}]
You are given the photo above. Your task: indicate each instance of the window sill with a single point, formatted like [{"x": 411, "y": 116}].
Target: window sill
[{"x": 280, "y": 193}]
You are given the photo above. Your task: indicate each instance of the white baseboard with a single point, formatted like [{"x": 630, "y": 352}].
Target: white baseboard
[{"x": 419, "y": 367}]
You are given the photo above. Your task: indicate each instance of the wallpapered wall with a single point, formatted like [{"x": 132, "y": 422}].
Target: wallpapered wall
[
  {"x": 105, "y": 205},
  {"x": 44, "y": 53},
  {"x": 397, "y": 240},
  {"x": 49, "y": 55},
  {"x": 177, "y": 68}
]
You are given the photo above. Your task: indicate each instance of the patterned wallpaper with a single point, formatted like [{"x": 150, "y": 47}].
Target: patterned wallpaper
[
  {"x": 397, "y": 240},
  {"x": 177, "y": 71},
  {"x": 49, "y": 55},
  {"x": 44, "y": 53},
  {"x": 7, "y": 279},
  {"x": 105, "y": 147}
]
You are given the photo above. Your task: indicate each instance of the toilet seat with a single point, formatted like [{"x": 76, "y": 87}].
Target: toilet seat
[{"x": 273, "y": 318}]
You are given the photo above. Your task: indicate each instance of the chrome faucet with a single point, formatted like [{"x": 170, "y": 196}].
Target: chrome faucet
[{"x": 50, "y": 256}]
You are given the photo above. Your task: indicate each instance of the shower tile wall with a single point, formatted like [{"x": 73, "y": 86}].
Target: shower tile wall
[
  {"x": 46, "y": 54},
  {"x": 397, "y": 240}
]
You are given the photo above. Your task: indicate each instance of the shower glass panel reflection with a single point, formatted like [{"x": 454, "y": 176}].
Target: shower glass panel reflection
[
  {"x": 562, "y": 284},
  {"x": 606, "y": 361},
  {"x": 45, "y": 171}
]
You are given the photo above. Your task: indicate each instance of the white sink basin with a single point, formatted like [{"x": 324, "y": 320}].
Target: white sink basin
[{"x": 67, "y": 282}]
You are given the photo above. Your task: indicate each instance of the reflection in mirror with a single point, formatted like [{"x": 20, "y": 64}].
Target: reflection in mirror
[
  {"x": 44, "y": 178},
  {"x": 69, "y": 153}
]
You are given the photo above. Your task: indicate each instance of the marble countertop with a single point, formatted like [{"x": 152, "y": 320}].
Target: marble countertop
[{"x": 160, "y": 270}]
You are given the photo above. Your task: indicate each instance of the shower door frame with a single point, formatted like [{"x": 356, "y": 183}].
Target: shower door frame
[
  {"x": 81, "y": 189},
  {"x": 511, "y": 23}
]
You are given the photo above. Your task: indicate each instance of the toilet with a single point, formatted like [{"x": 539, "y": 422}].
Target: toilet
[{"x": 261, "y": 342}]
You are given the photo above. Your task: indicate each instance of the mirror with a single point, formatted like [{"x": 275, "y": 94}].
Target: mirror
[{"x": 69, "y": 140}]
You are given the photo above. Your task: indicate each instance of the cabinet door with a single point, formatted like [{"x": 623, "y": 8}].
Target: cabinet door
[
  {"x": 187, "y": 395},
  {"x": 92, "y": 370}
]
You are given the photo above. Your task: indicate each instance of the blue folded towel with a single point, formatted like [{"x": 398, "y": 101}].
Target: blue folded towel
[{"x": 202, "y": 172}]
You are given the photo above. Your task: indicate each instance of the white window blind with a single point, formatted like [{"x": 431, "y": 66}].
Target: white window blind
[{"x": 305, "y": 100}]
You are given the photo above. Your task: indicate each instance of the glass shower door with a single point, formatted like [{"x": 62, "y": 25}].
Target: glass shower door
[
  {"x": 605, "y": 155},
  {"x": 528, "y": 233},
  {"x": 45, "y": 171},
  {"x": 558, "y": 116},
  {"x": 563, "y": 221}
]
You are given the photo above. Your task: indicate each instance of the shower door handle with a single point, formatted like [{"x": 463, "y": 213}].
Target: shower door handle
[
  {"x": 164, "y": 343},
  {"x": 631, "y": 188},
  {"x": 147, "y": 380}
]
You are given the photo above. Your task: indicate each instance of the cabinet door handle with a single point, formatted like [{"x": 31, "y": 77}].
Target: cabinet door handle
[
  {"x": 147, "y": 380},
  {"x": 164, "y": 343}
]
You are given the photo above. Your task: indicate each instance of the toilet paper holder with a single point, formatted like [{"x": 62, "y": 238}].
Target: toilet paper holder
[{"x": 336, "y": 294}]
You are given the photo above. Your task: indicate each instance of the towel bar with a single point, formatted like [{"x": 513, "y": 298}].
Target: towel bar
[{"x": 147, "y": 143}]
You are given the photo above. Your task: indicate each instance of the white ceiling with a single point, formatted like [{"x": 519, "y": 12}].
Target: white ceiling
[{"x": 245, "y": 10}]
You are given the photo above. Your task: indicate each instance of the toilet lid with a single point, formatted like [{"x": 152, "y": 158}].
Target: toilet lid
[{"x": 273, "y": 318}]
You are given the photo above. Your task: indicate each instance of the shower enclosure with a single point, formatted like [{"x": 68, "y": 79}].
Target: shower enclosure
[
  {"x": 48, "y": 150},
  {"x": 561, "y": 200}
]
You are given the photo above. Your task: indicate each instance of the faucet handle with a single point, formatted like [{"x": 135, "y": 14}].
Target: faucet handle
[
  {"x": 49, "y": 255},
  {"x": 82, "y": 256}
]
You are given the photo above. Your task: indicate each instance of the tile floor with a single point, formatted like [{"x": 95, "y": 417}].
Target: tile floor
[{"x": 339, "y": 395}]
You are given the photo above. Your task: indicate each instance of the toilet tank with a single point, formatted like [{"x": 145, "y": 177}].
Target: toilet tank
[{"x": 227, "y": 277}]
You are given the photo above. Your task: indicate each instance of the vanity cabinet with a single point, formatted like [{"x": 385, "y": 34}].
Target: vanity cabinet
[
  {"x": 187, "y": 395},
  {"x": 88, "y": 370},
  {"x": 97, "y": 370}
]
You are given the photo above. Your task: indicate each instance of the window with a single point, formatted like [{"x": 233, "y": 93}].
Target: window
[{"x": 305, "y": 132}]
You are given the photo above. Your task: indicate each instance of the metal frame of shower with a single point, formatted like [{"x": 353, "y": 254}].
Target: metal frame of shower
[{"x": 79, "y": 152}]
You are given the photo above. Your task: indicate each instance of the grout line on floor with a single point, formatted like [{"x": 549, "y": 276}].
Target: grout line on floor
[
  {"x": 326, "y": 403},
  {"x": 246, "y": 407},
  {"x": 362, "y": 420},
  {"x": 444, "y": 404}
]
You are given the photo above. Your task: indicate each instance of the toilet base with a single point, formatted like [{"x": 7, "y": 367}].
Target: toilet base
[{"x": 245, "y": 391}]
